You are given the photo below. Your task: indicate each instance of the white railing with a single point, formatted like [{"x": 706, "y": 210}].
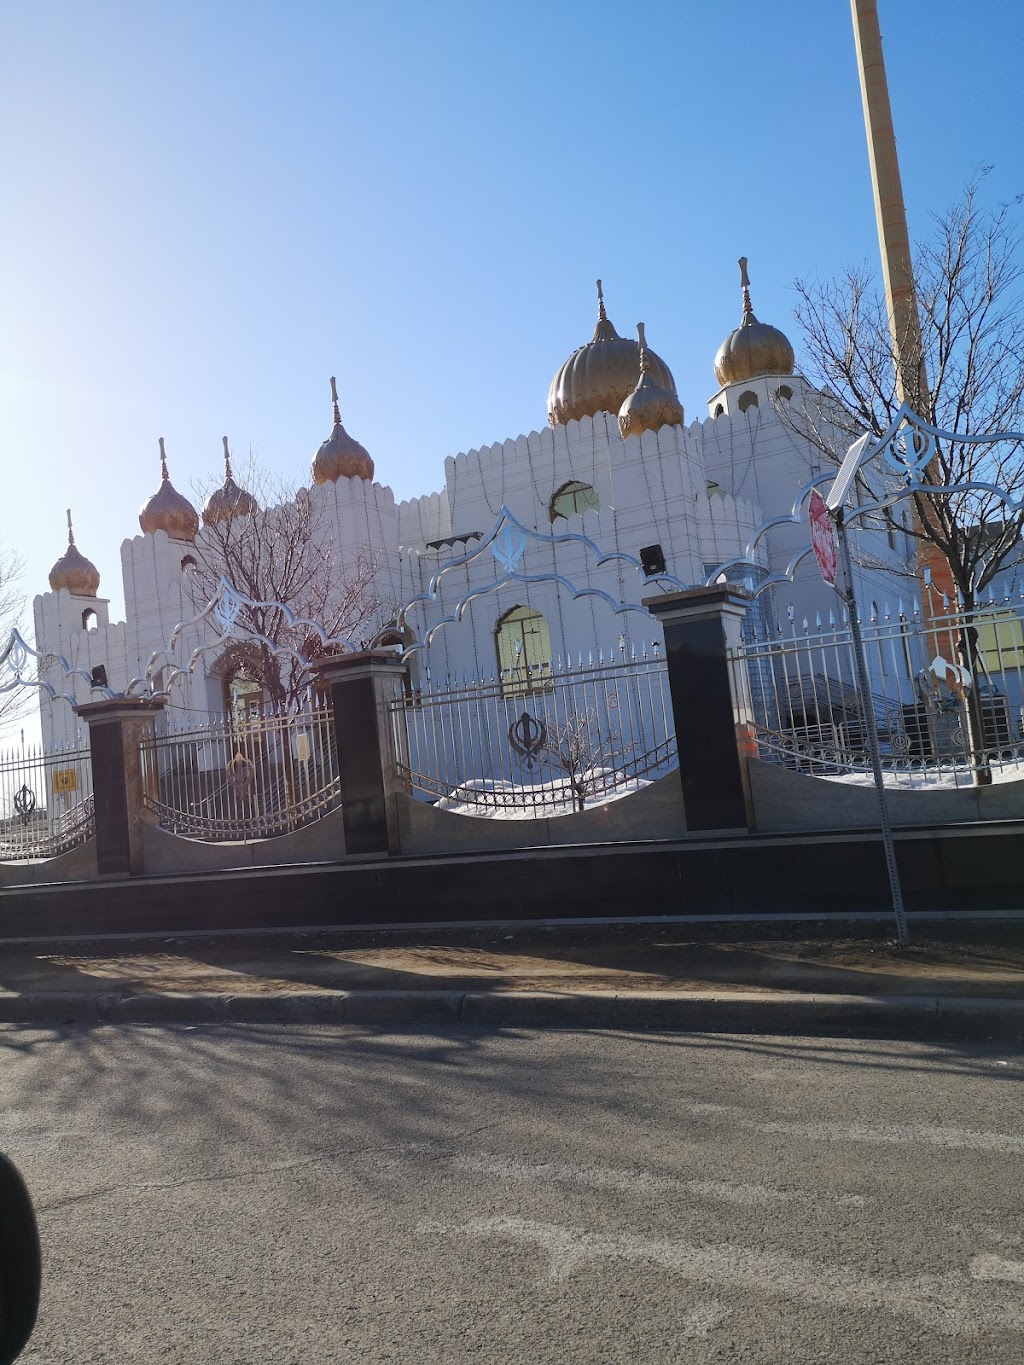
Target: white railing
[
  {"x": 537, "y": 741},
  {"x": 46, "y": 802},
  {"x": 235, "y": 779},
  {"x": 809, "y": 713}
]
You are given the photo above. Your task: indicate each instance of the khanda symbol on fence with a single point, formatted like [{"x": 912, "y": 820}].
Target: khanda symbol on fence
[
  {"x": 528, "y": 737},
  {"x": 24, "y": 803}
]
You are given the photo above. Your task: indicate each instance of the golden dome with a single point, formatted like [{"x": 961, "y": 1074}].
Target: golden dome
[
  {"x": 600, "y": 376},
  {"x": 228, "y": 500},
  {"x": 649, "y": 407},
  {"x": 754, "y": 348},
  {"x": 167, "y": 510},
  {"x": 73, "y": 571},
  {"x": 340, "y": 456}
]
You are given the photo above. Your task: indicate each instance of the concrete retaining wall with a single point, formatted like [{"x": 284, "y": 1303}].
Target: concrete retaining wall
[
  {"x": 76, "y": 865},
  {"x": 655, "y": 812},
  {"x": 785, "y": 801},
  {"x": 321, "y": 842}
]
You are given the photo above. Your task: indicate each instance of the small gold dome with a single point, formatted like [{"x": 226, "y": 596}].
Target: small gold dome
[
  {"x": 340, "y": 456},
  {"x": 600, "y": 376},
  {"x": 754, "y": 348},
  {"x": 228, "y": 500},
  {"x": 73, "y": 571},
  {"x": 167, "y": 510},
  {"x": 649, "y": 407}
]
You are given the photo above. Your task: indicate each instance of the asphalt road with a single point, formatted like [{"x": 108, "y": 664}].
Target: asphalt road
[{"x": 286, "y": 1194}]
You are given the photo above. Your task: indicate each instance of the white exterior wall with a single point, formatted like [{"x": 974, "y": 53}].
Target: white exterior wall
[{"x": 698, "y": 491}]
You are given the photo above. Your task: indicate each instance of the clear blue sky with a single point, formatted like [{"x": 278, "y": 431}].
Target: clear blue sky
[{"x": 209, "y": 208}]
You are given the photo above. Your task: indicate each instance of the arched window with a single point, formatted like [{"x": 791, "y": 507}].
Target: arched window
[
  {"x": 719, "y": 409},
  {"x": 188, "y": 564},
  {"x": 748, "y": 400},
  {"x": 523, "y": 644},
  {"x": 89, "y": 619},
  {"x": 573, "y": 499},
  {"x": 784, "y": 392}
]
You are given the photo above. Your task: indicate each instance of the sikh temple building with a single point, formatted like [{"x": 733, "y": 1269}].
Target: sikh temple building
[{"x": 617, "y": 464}]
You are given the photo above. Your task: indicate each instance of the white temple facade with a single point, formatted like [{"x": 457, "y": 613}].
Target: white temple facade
[{"x": 617, "y": 464}]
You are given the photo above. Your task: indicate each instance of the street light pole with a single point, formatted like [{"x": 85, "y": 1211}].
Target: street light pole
[{"x": 874, "y": 751}]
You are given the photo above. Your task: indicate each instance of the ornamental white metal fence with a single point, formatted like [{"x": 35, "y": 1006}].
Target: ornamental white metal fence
[
  {"x": 237, "y": 778},
  {"x": 46, "y": 802},
  {"x": 540, "y": 740},
  {"x": 809, "y": 713}
]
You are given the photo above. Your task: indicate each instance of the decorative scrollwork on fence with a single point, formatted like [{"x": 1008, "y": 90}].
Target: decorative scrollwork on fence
[
  {"x": 225, "y": 613},
  {"x": 506, "y": 543},
  {"x": 18, "y": 656}
]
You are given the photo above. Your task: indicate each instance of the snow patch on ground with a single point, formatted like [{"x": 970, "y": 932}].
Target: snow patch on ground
[
  {"x": 494, "y": 799},
  {"x": 949, "y": 780}
]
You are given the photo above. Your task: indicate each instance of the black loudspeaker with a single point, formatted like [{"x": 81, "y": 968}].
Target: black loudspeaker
[
  {"x": 652, "y": 557},
  {"x": 99, "y": 676}
]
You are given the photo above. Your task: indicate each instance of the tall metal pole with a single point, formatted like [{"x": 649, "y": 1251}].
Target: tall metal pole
[
  {"x": 874, "y": 752},
  {"x": 894, "y": 248},
  {"x": 890, "y": 211}
]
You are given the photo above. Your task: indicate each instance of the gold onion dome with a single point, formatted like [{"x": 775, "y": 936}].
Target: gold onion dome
[
  {"x": 73, "y": 571},
  {"x": 754, "y": 348},
  {"x": 340, "y": 456},
  {"x": 228, "y": 500},
  {"x": 167, "y": 510},
  {"x": 600, "y": 376},
  {"x": 650, "y": 406}
]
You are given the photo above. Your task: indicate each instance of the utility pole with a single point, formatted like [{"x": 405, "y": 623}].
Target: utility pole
[
  {"x": 890, "y": 211},
  {"x": 897, "y": 266}
]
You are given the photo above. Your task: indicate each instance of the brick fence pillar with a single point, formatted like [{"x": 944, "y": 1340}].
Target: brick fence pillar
[
  {"x": 361, "y": 687},
  {"x": 710, "y": 703},
  {"x": 116, "y": 731}
]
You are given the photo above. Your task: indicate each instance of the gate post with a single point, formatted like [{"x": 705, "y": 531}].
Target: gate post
[
  {"x": 116, "y": 730},
  {"x": 361, "y": 687},
  {"x": 710, "y": 705}
]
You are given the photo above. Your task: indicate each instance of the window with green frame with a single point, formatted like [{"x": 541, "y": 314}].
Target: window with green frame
[
  {"x": 573, "y": 499},
  {"x": 523, "y": 644}
]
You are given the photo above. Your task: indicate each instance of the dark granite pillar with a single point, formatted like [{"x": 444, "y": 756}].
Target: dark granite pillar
[
  {"x": 361, "y": 687},
  {"x": 116, "y": 730},
  {"x": 710, "y": 706}
]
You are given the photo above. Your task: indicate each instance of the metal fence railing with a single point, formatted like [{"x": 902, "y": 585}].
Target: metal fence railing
[
  {"x": 237, "y": 779},
  {"x": 46, "y": 802},
  {"x": 810, "y": 715},
  {"x": 537, "y": 741}
]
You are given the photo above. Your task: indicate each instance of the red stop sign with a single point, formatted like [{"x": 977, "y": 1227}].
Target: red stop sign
[{"x": 823, "y": 537}]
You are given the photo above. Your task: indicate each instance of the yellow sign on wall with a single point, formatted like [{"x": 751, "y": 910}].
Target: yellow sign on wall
[{"x": 65, "y": 780}]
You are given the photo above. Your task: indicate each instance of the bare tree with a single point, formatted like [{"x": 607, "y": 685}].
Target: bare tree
[
  {"x": 13, "y": 704},
  {"x": 581, "y": 750},
  {"x": 971, "y": 305},
  {"x": 285, "y": 551},
  {"x": 970, "y": 381}
]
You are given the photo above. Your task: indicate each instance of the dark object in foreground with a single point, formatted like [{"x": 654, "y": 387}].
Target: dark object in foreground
[{"x": 20, "y": 1263}]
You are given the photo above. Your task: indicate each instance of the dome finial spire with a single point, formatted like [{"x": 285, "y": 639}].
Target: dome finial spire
[
  {"x": 601, "y": 314},
  {"x": 753, "y": 349},
  {"x": 745, "y": 286},
  {"x": 167, "y": 510},
  {"x": 227, "y": 459},
  {"x": 73, "y": 571},
  {"x": 641, "y": 341},
  {"x": 340, "y": 456},
  {"x": 651, "y": 405}
]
